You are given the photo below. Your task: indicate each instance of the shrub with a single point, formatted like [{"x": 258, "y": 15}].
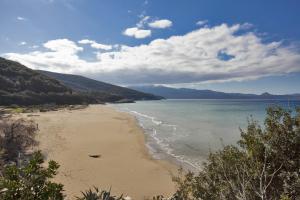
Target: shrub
[
  {"x": 264, "y": 166},
  {"x": 30, "y": 182},
  {"x": 96, "y": 194},
  {"x": 16, "y": 136}
]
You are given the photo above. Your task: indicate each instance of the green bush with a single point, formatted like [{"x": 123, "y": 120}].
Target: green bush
[
  {"x": 96, "y": 194},
  {"x": 31, "y": 182},
  {"x": 265, "y": 165}
]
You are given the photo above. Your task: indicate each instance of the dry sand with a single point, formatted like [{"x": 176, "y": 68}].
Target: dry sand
[{"x": 69, "y": 137}]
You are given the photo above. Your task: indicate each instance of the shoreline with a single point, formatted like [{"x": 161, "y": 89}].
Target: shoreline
[
  {"x": 124, "y": 162},
  {"x": 155, "y": 150}
]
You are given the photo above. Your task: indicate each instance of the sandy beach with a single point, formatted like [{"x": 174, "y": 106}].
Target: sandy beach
[{"x": 124, "y": 164}]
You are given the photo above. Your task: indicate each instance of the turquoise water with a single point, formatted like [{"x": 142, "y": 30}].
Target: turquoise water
[{"x": 185, "y": 131}]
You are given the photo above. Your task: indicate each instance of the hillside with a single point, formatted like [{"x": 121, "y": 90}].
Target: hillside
[
  {"x": 185, "y": 93},
  {"x": 83, "y": 84},
  {"x": 23, "y": 86}
]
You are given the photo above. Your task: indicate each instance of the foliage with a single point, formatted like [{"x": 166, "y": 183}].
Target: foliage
[
  {"x": 31, "y": 182},
  {"x": 104, "y": 91},
  {"x": 265, "y": 165},
  {"x": 23, "y": 86},
  {"x": 15, "y": 77},
  {"x": 15, "y": 138},
  {"x": 98, "y": 195}
]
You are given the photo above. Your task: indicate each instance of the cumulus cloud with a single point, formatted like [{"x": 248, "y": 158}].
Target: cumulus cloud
[
  {"x": 201, "y": 22},
  {"x": 63, "y": 46},
  {"x": 208, "y": 54},
  {"x": 95, "y": 45},
  {"x": 35, "y": 46},
  {"x": 137, "y": 33},
  {"x": 22, "y": 43},
  {"x": 246, "y": 26},
  {"x": 163, "y": 23},
  {"x": 143, "y": 21},
  {"x": 21, "y": 18}
]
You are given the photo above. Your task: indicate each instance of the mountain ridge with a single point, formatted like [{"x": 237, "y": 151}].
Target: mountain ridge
[
  {"x": 23, "y": 86},
  {"x": 83, "y": 84},
  {"x": 188, "y": 93}
]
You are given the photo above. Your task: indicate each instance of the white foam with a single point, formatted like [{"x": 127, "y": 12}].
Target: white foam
[
  {"x": 147, "y": 116},
  {"x": 181, "y": 158},
  {"x": 163, "y": 144}
]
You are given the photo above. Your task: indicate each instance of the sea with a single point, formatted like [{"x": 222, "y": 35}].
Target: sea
[{"x": 186, "y": 131}]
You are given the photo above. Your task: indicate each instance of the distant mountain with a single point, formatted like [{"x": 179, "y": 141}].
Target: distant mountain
[
  {"x": 98, "y": 88},
  {"x": 185, "y": 93},
  {"x": 23, "y": 86}
]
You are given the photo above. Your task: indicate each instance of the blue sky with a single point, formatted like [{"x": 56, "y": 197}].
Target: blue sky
[{"x": 171, "y": 42}]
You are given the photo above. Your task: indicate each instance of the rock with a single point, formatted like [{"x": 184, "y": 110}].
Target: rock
[{"x": 95, "y": 156}]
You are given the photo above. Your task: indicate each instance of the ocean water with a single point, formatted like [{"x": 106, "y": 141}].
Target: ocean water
[{"x": 185, "y": 131}]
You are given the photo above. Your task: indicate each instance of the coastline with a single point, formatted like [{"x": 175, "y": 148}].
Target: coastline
[
  {"x": 124, "y": 163},
  {"x": 155, "y": 149}
]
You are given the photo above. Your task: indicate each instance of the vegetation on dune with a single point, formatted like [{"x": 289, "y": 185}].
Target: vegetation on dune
[
  {"x": 27, "y": 98},
  {"x": 31, "y": 181},
  {"x": 264, "y": 166},
  {"x": 21, "y": 179},
  {"x": 16, "y": 136},
  {"x": 97, "y": 194}
]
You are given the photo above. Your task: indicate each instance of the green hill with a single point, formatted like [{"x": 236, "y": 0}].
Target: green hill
[
  {"x": 83, "y": 84},
  {"x": 23, "y": 86}
]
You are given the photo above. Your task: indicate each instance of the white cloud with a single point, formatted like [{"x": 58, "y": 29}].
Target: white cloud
[
  {"x": 22, "y": 43},
  {"x": 34, "y": 46},
  {"x": 137, "y": 33},
  {"x": 202, "y": 22},
  {"x": 246, "y": 26},
  {"x": 189, "y": 58},
  {"x": 163, "y": 23},
  {"x": 86, "y": 41},
  {"x": 21, "y": 18},
  {"x": 143, "y": 21},
  {"x": 63, "y": 46},
  {"x": 95, "y": 45}
]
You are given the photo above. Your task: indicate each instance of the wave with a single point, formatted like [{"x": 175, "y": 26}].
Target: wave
[
  {"x": 153, "y": 119},
  {"x": 196, "y": 164},
  {"x": 164, "y": 144}
]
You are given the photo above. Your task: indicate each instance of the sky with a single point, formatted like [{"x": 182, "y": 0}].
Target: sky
[{"x": 225, "y": 45}]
